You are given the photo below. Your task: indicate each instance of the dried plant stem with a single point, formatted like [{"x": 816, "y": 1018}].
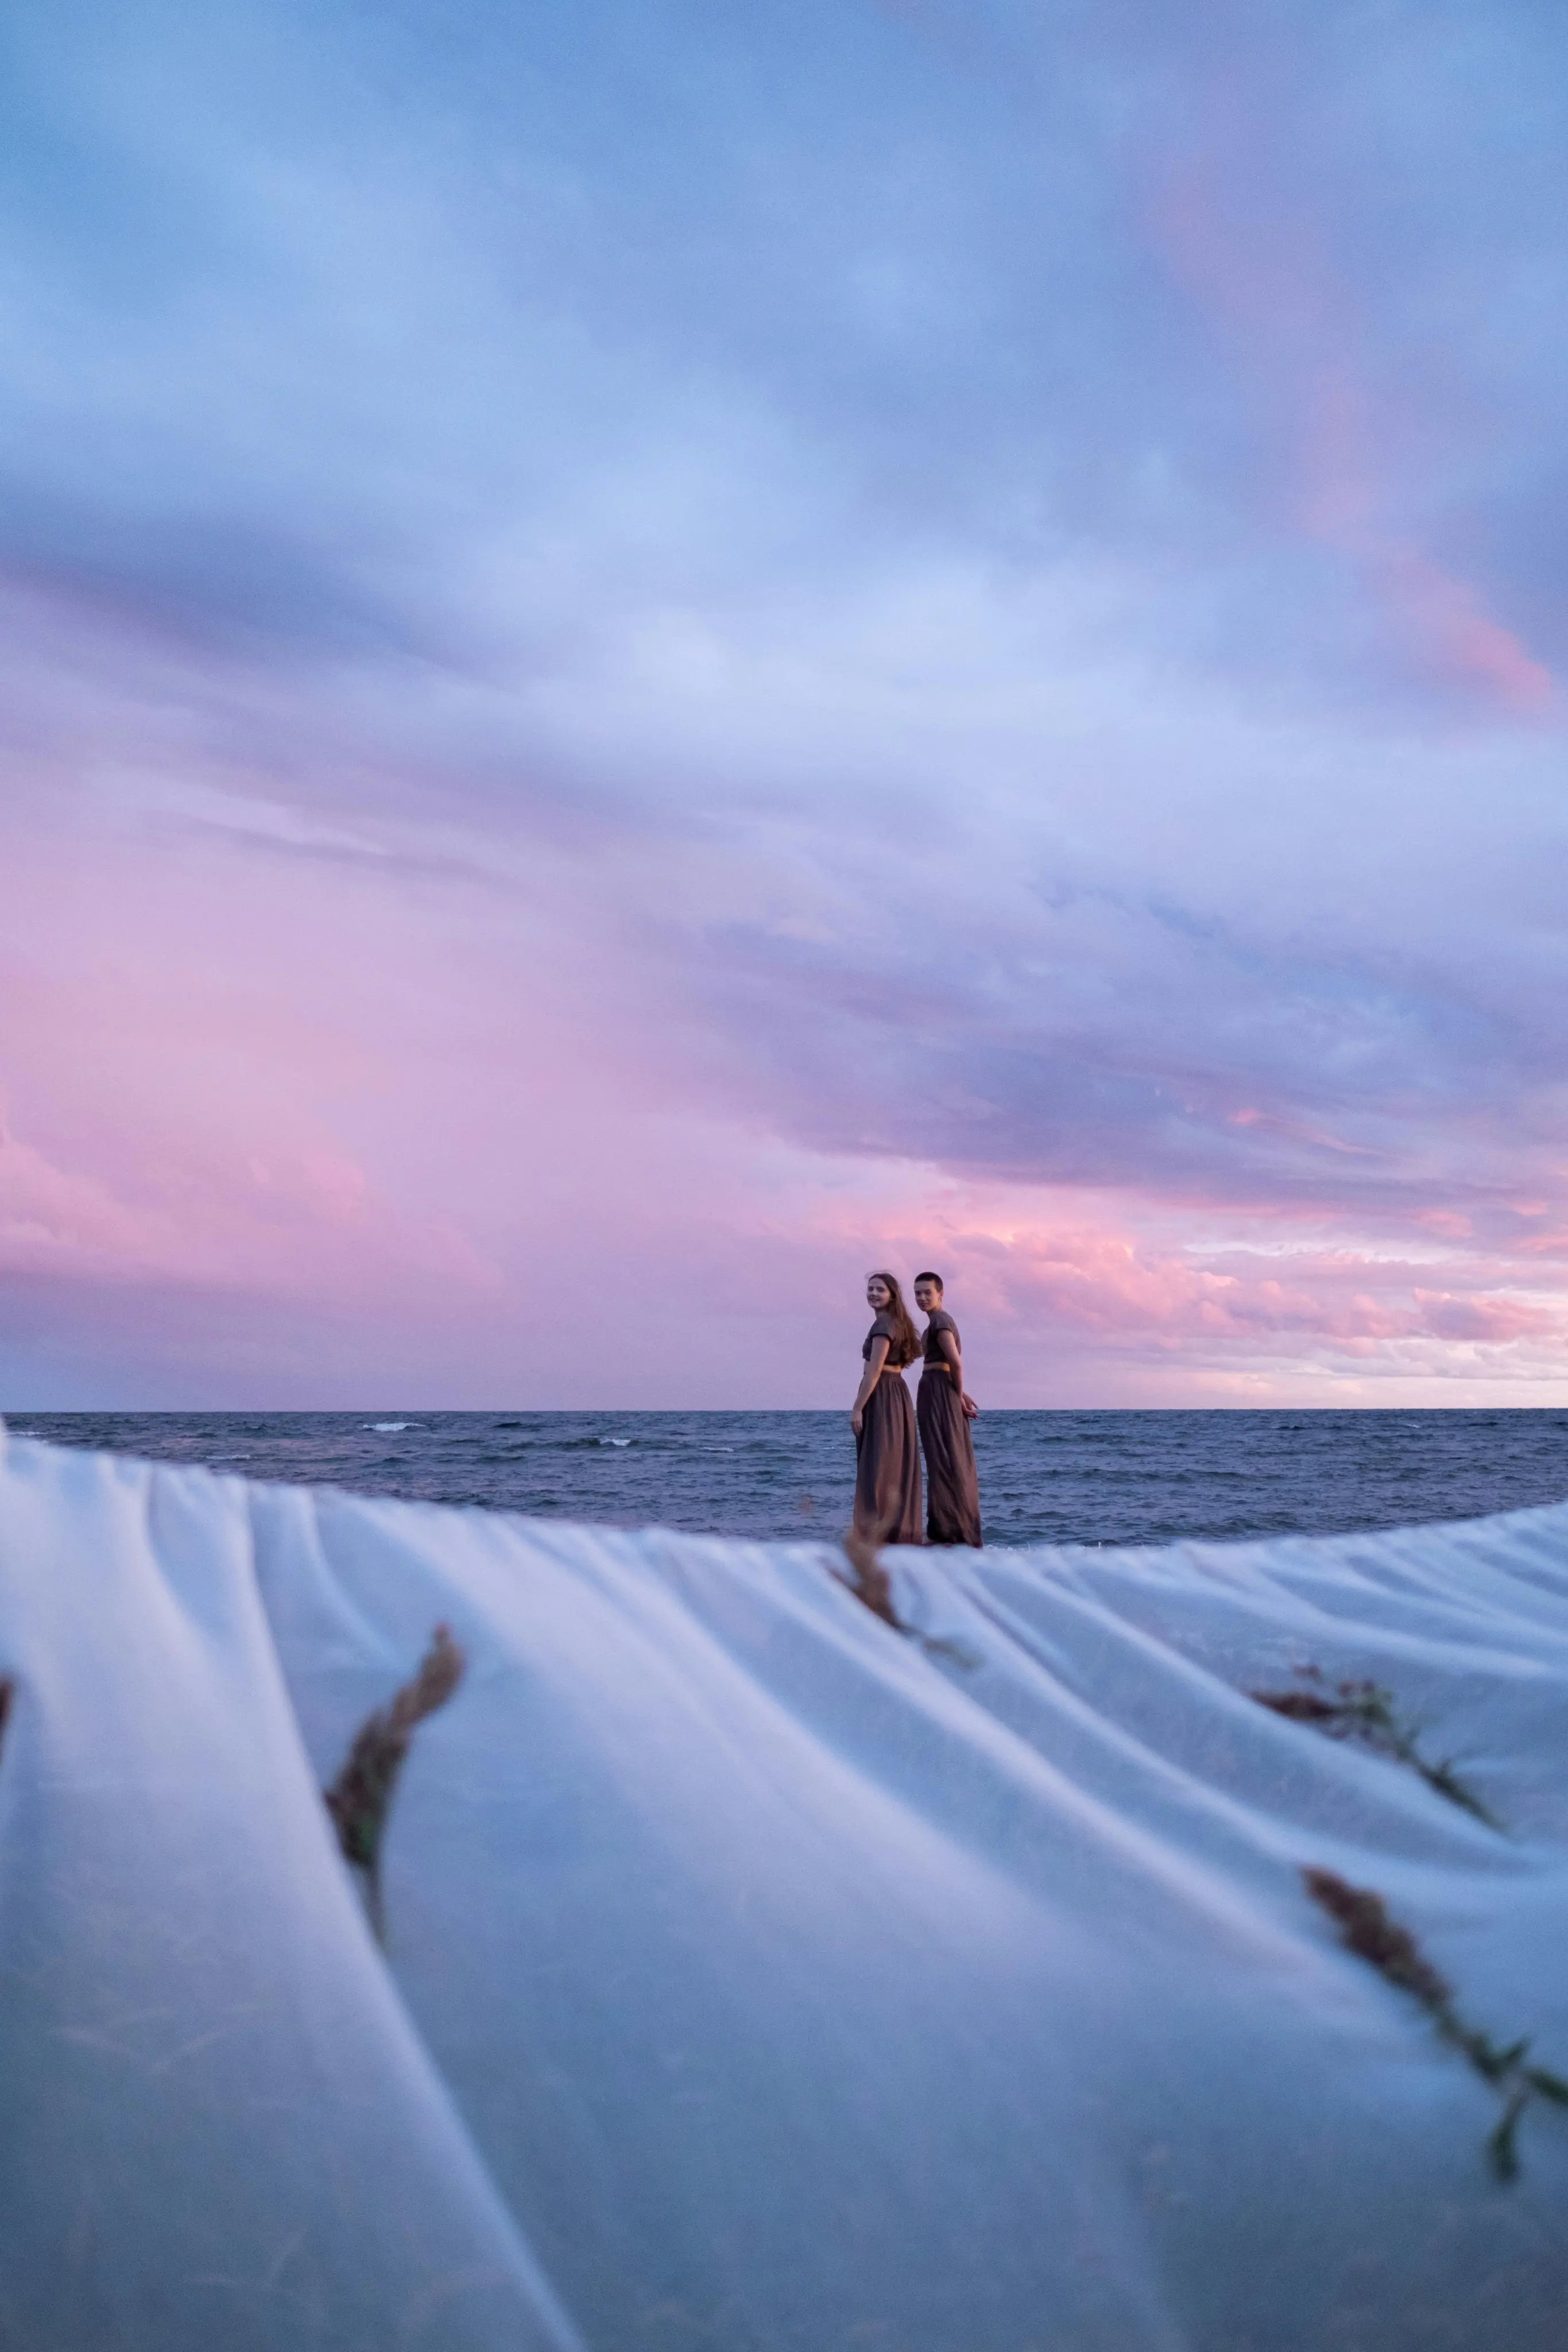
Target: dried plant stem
[
  {"x": 1367, "y": 1930},
  {"x": 869, "y": 1581},
  {"x": 871, "y": 1584},
  {"x": 361, "y": 1796},
  {"x": 1364, "y": 1711}
]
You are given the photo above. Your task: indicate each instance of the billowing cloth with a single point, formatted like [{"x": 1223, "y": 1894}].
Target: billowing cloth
[{"x": 757, "y": 1975}]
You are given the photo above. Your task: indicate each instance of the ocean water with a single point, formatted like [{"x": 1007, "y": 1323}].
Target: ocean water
[{"x": 1045, "y": 1477}]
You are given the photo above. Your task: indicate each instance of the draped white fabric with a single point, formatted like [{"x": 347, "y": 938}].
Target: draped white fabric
[{"x": 756, "y": 1976}]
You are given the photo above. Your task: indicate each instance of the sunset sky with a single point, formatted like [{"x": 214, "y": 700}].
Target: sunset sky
[{"x": 655, "y": 651}]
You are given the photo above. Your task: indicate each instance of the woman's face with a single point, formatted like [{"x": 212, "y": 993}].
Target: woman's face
[{"x": 877, "y": 1295}]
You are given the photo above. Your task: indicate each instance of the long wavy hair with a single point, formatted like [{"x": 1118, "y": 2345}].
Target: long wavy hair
[{"x": 904, "y": 1345}]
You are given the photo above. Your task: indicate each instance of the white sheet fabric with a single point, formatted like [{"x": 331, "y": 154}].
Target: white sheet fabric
[{"x": 755, "y": 1977}]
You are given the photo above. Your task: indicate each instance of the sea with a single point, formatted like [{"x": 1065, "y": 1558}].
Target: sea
[{"x": 1112, "y": 1477}]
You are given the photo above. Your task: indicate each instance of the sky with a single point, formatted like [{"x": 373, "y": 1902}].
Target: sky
[{"x": 654, "y": 654}]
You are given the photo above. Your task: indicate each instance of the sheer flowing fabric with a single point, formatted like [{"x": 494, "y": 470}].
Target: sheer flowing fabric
[{"x": 755, "y": 1973}]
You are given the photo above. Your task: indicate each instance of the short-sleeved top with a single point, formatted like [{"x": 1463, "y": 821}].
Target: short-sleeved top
[
  {"x": 940, "y": 1321},
  {"x": 881, "y": 1329}
]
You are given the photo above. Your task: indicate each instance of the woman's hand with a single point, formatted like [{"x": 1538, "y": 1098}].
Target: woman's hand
[
  {"x": 970, "y": 1407},
  {"x": 869, "y": 1379}
]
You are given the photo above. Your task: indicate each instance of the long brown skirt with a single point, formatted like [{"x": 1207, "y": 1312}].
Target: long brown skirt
[
  {"x": 952, "y": 1488},
  {"x": 887, "y": 1473}
]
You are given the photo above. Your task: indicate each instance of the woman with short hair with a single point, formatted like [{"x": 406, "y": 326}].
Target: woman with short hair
[
  {"x": 945, "y": 1412},
  {"x": 887, "y": 1448}
]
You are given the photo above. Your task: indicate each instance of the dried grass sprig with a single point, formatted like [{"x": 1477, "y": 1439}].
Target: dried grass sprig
[
  {"x": 1367, "y": 1930},
  {"x": 871, "y": 1584},
  {"x": 1364, "y": 1711},
  {"x": 867, "y": 1579},
  {"x": 361, "y": 1796}
]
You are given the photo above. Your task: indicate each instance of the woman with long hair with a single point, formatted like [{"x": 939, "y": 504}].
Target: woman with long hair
[{"x": 888, "y": 1449}]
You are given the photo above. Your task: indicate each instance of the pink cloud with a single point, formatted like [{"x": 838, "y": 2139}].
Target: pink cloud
[
  {"x": 303, "y": 1111},
  {"x": 1461, "y": 641},
  {"x": 51, "y": 1217},
  {"x": 1492, "y": 1321},
  {"x": 1446, "y": 1222},
  {"x": 1259, "y": 265},
  {"x": 1119, "y": 1284}
]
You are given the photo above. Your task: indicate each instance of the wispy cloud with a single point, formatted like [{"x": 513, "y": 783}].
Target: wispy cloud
[{"x": 632, "y": 643}]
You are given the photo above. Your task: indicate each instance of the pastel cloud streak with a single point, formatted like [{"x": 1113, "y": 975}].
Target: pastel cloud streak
[{"x": 648, "y": 659}]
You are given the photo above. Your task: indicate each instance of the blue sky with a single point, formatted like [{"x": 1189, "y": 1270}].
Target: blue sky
[{"x": 698, "y": 646}]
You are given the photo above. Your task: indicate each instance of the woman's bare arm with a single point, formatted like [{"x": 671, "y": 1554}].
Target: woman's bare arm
[{"x": 869, "y": 1379}]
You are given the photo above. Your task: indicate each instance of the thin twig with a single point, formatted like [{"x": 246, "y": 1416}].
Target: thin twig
[
  {"x": 871, "y": 1584},
  {"x": 1367, "y": 1930},
  {"x": 1364, "y": 1711},
  {"x": 869, "y": 1581},
  {"x": 361, "y": 1796}
]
